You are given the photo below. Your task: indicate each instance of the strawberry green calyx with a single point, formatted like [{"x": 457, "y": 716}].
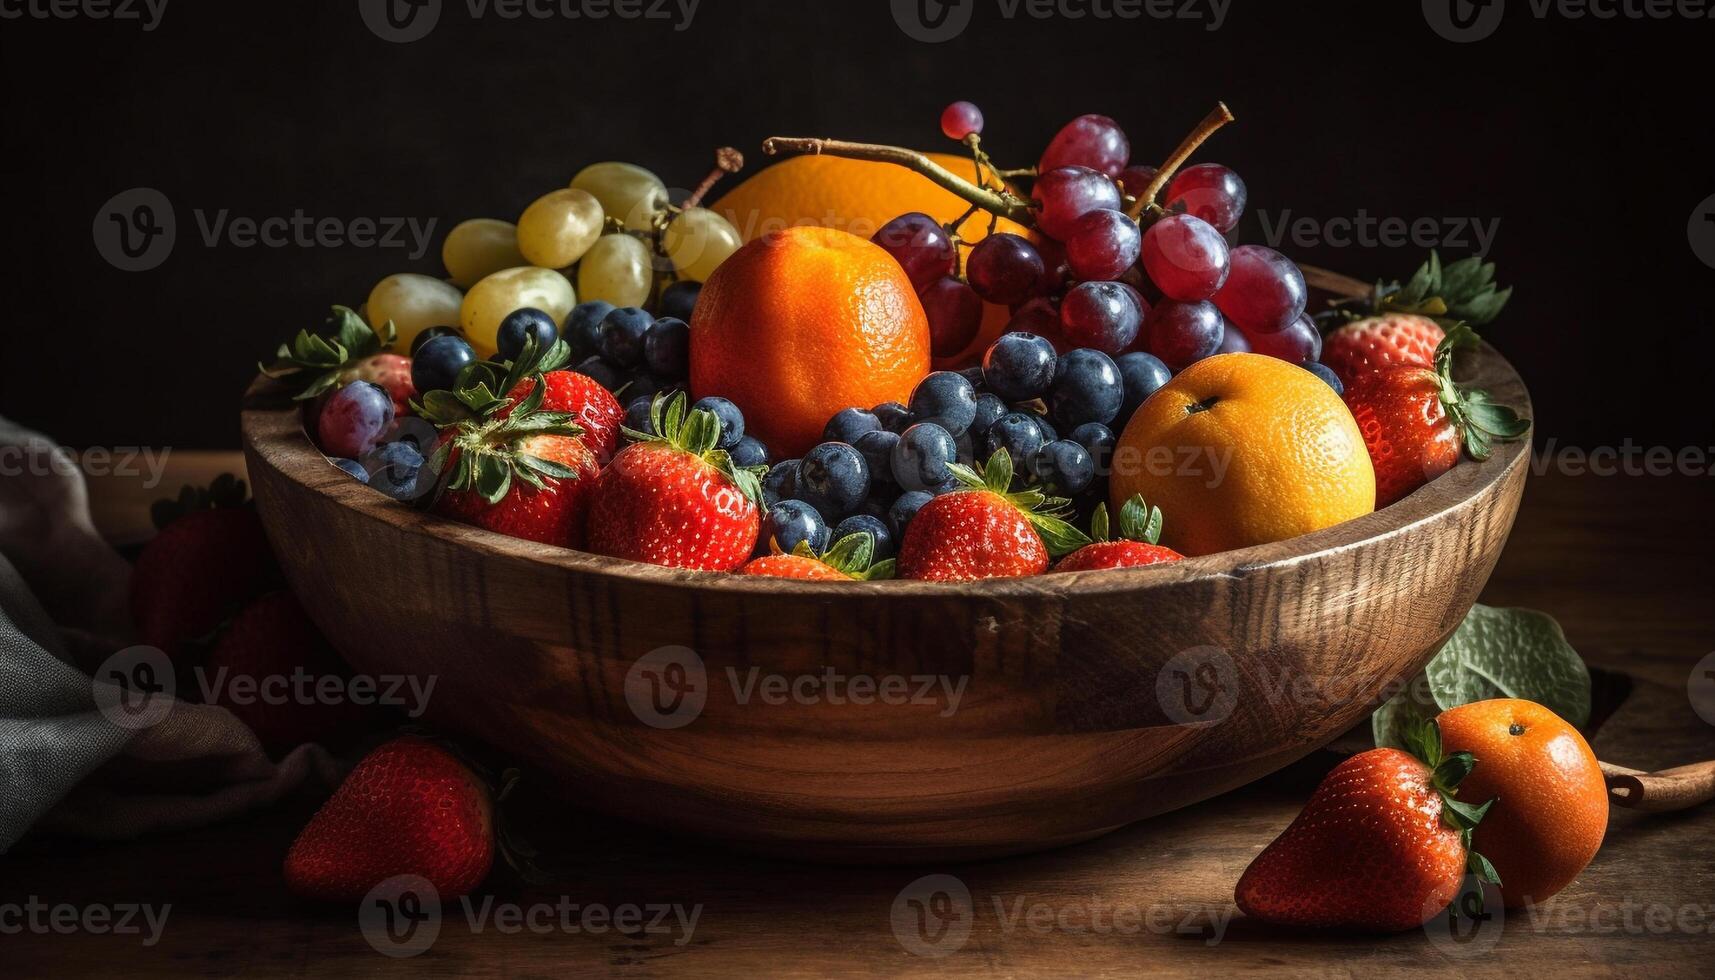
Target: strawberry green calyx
[
  {"x": 482, "y": 390},
  {"x": 1480, "y": 421},
  {"x": 225, "y": 491},
  {"x": 697, "y": 432},
  {"x": 312, "y": 362},
  {"x": 1423, "y": 740},
  {"x": 1046, "y": 514},
  {"x": 1462, "y": 292},
  {"x": 492, "y": 453},
  {"x": 1138, "y": 522},
  {"x": 852, "y": 556}
]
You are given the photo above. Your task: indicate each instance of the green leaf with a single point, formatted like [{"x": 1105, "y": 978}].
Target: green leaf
[
  {"x": 1099, "y": 523},
  {"x": 1060, "y": 537},
  {"x": 1411, "y": 705},
  {"x": 969, "y": 477},
  {"x": 881, "y": 571},
  {"x": 997, "y": 475},
  {"x": 493, "y": 476},
  {"x": 1463, "y": 816},
  {"x": 851, "y": 554},
  {"x": 1423, "y": 739},
  {"x": 1479, "y": 865},
  {"x": 1453, "y": 770}
]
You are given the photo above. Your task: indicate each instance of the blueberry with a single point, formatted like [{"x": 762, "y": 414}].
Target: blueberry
[
  {"x": 667, "y": 348},
  {"x": 921, "y": 456},
  {"x": 974, "y": 375},
  {"x": 849, "y": 423},
  {"x": 1064, "y": 464},
  {"x": 622, "y": 333},
  {"x": 603, "y": 373},
  {"x": 731, "y": 419},
  {"x": 1327, "y": 374},
  {"x": 781, "y": 482},
  {"x": 1019, "y": 366},
  {"x": 424, "y": 336},
  {"x": 893, "y": 416},
  {"x": 354, "y": 419},
  {"x": 522, "y": 324},
  {"x": 877, "y": 449},
  {"x": 1018, "y": 434},
  {"x": 1049, "y": 433},
  {"x": 749, "y": 452},
  {"x": 438, "y": 362},
  {"x": 904, "y": 509},
  {"x": 946, "y": 399},
  {"x": 1086, "y": 388},
  {"x": 583, "y": 327},
  {"x": 1143, "y": 375},
  {"x": 353, "y": 467},
  {"x": 637, "y": 415},
  {"x": 678, "y": 299},
  {"x": 873, "y": 526},
  {"x": 834, "y": 478},
  {"x": 396, "y": 469},
  {"x": 639, "y": 384},
  {"x": 1097, "y": 440},
  {"x": 791, "y": 521},
  {"x": 989, "y": 408}
]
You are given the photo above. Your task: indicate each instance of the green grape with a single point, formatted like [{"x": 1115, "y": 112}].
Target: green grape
[
  {"x": 478, "y": 247},
  {"x": 497, "y": 295},
  {"x": 625, "y": 190},
  {"x": 414, "y": 303},
  {"x": 616, "y": 269},
  {"x": 699, "y": 240},
  {"x": 559, "y": 227}
]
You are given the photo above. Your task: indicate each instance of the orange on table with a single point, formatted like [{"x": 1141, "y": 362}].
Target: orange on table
[
  {"x": 802, "y": 323},
  {"x": 1551, "y": 802},
  {"x": 1244, "y": 449}
]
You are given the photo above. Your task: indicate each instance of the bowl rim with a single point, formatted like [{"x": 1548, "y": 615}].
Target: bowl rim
[{"x": 274, "y": 437}]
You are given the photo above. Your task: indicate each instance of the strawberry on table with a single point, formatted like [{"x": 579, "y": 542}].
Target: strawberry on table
[
  {"x": 850, "y": 559},
  {"x": 1139, "y": 530},
  {"x": 986, "y": 531}
]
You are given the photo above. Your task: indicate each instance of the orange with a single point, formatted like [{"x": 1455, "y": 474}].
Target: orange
[
  {"x": 802, "y": 323},
  {"x": 1551, "y": 802},
  {"x": 1244, "y": 449}
]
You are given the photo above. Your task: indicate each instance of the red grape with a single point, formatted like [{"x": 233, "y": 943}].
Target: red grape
[
  {"x": 1299, "y": 342},
  {"x": 1211, "y": 192},
  {"x": 1103, "y": 245},
  {"x": 1004, "y": 269},
  {"x": 955, "y": 313},
  {"x": 1065, "y": 194},
  {"x": 1104, "y": 316},
  {"x": 1054, "y": 267},
  {"x": 1041, "y": 317},
  {"x": 1136, "y": 177},
  {"x": 1090, "y": 141},
  {"x": 1181, "y": 334},
  {"x": 1185, "y": 257},
  {"x": 1264, "y": 293},
  {"x": 920, "y": 245},
  {"x": 1233, "y": 341},
  {"x": 960, "y": 119}
]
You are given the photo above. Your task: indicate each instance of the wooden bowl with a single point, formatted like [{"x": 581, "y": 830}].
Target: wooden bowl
[{"x": 958, "y": 721}]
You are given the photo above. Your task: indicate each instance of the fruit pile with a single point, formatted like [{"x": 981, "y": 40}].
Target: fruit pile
[{"x": 770, "y": 407}]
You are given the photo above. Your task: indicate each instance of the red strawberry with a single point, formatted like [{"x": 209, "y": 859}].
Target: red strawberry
[
  {"x": 847, "y": 561},
  {"x": 391, "y": 372},
  {"x": 409, "y": 807},
  {"x": 593, "y": 408},
  {"x": 1382, "y": 845},
  {"x": 551, "y": 509},
  {"x": 1140, "y": 528},
  {"x": 674, "y": 499},
  {"x": 254, "y": 672},
  {"x": 985, "y": 531},
  {"x": 1382, "y": 342},
  {"x": 210, "y": 557},
  {"x": 1414, "y": 420}
]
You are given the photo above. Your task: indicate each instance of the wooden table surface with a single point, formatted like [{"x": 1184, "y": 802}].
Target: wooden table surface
[{"x": 1623, "y": 562}]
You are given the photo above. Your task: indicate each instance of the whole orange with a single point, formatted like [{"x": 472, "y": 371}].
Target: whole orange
[
  {"x": 1244, "y": 449},
  {"x": 802, "y": 323},
  {"x": 1551, "y": 802}
]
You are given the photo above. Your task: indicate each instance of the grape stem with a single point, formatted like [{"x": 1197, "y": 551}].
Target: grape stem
[
  {"x": 1217, "y": 117},
  {"x": 727, "y": 161},
  {"x": 1002, "y": 203}
]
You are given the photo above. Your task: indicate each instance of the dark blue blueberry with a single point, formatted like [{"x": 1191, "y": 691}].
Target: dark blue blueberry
[
  {"x": 637, "y": 415},
  {"x": 946, "y": 399},
  {"x": 893, "y": 416},
  {"x": 1098, "y": 440},
  {"x": 974, "y": 375},
  {"x": 749, "y": 452},
  {"x": 921, "y": 456},
  {"x": 1087, "y": 388},
  {"x": 1049, "y": 433},
  {"x": 605, "y": 374},
  {"x": 424, "y": 336},
  {"x": 867, "y": 524},
  {"x": 1327, "y": 374},
  {"x": 834, "y": 478},
  {"x": 1143, "y": 374},
  {"x": 781, "y": 482},
  {"x": 1064, "y": 464},
  {"x": 396, "y": 469},
  {"x": 638, "y": 384},
  {"x": 438, "y": 363},
  {"x": 1019, "y": 366},
  {"x": 877, "y": 449},
  {"x": 731, "y": 419},
  {"x": 989, "y": 408},
  {"x": 791, "y": 521},
  {"x": 849, "y": 423},
  {"x": 1018, "y": 434},
  {"x": 622, "y": 333},
  {"x": 667, "y": 348},
  {"x": 521, "y": 324},
  {"x": 679, "y": 299},
  {"x": 583, "y": 327},
  {"x": 353, "y": 467},
  {"x": 904, "y": 509}
]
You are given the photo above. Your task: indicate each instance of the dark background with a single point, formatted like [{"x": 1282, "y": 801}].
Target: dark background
[{"x": 1585, "y": 139}]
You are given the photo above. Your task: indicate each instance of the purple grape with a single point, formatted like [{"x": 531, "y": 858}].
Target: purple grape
[
  {"x": 354, "y": 419},
  {"x": 1090, "y": 141},
  {"x": 1104, "y": 316},
  {"x": 1185, "y": 257},
  {"x": 1066, "y": 194},
  {"x": 1181, "y": 334},
  {"x": 1264, "y": 291},
  {"x": 1299, "y": 342},
  {"x": 1004, "y": 269},
  {"x": 1233, "y": 341},
  {"x": 1211, "y": 192},
  {"x": 960, "y": 119},
  {"x": 1104, "y": 244},
  {"x": 1136, "y": 177},
  {"x": 920, "y": 245},
  {"x": 955, "y": 313}
]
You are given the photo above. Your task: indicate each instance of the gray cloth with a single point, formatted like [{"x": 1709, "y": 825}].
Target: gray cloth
[{"x": 66, "y": 765}]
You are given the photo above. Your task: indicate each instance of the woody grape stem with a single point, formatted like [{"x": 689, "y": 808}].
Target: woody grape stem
[
  {"x": 1218, "y": 117},
  {"x": 1004, "y": 204}
]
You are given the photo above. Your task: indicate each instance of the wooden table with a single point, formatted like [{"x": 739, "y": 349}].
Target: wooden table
[{"x": 1623, "y": 562}]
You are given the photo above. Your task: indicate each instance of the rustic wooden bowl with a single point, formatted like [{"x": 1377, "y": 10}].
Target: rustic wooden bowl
[{"x": 1089, "y": 700}]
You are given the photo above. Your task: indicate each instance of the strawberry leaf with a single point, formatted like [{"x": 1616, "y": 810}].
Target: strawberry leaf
[{"x": 1060, "y": 537}]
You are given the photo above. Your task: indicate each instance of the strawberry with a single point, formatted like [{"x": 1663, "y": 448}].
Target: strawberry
[
  {"x": 1140, "y": 528},
  {"x": 409, "y": 807},
  {"x": 674, "y": 499},
  {"x": 986, "y": 531},
  {"x": 1382, "y": 845},
  {"x": 389, "y": 371},
  {"x": 270, "y": 643},
  {"x": 1415, "y": 420},
  {"x": 210, "y": 557},
  {"x": 593, "y": 407},
  {"x": 1380, "y": 342},
  {"x": 848, "y": 560}
]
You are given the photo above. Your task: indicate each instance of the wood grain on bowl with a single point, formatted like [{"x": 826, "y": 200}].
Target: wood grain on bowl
[{"x": 892, "y": 721}]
